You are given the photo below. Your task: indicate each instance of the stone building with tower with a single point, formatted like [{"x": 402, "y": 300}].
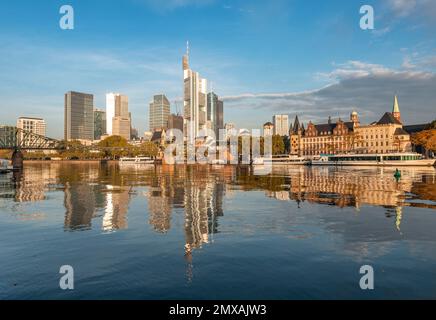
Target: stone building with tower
[{"x": 335, "y": 137}]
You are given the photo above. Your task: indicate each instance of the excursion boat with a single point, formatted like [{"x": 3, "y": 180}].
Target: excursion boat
[
  {"x": 385, "y": 159},
  {"x": 282, "y": 160},
  {"x": 4, "y": 166},
  {"x": 137, "y": 160},
  {"x": 218, "y": 162}
]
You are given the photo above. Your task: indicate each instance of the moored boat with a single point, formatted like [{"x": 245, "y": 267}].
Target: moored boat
[
  {"x": 283, "y": 160},
  {"x": 386, "y": 159},
  {"x": 136, "y": 160},
  {"x": 4, "y": 166}
]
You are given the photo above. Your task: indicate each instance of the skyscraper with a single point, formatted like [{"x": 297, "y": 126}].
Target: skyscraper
[
  {"x": 159, "y": 112},
  {"x": 79, "y": 116},
  {"x": 195, "y": 109},
  {"x": 99, "y": 123},
  {"x": 118, "y": 121},
  {"x": 175, "y": 122},
  {"x": 215, "y": 113},
  {"x": 281, "y": 124}
]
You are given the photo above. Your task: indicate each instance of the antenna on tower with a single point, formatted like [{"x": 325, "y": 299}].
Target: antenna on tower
[
  {"x": 177, "y": 107},
  {"x": 187, "y": 48}
]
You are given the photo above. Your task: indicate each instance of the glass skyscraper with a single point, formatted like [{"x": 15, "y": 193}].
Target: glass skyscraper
[
  {"x": 79, "y": 116},
  {"x": 159, "y": 112}
]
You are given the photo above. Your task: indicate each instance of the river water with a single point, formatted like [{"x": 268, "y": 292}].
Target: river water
[{"x": 216, "y": 232}]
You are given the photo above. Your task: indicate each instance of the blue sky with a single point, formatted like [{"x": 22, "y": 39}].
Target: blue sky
[{"x": 263, "y": 57}]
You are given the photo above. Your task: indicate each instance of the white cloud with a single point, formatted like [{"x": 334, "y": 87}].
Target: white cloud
[
  {"x": 367, "y": 87},
  {"x": 403, "y": 8}
]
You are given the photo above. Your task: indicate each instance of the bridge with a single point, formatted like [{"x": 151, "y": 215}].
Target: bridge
[{"x": 13, "y": 138}]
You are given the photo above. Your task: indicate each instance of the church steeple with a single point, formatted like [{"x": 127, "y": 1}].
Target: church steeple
[{"x": 396, "y": 109}]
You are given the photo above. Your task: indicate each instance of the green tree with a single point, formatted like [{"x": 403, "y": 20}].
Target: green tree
[
  {"x": 278, "y": 146},
  {"x": 115, "y": 147}
]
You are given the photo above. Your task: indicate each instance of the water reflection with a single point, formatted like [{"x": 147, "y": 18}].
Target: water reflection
[{"x": 92, "y": 191}]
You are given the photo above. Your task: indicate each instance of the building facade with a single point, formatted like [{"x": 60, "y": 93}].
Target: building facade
[
  {"x": 175, "y": 122},
  {"x": 215, "y": 113},
  {"x": 99, "y": 123},
  {"x": 33, "y": 125},
  {"x": 118, "y": 121},
  {"x": 230, "y": 129},
  {"x": 281, "y": 124},
  {"x": 194, "y": 104},
  {"x": 159, "y": 112},
  {"x": 384, "y": 136},
  {"x": 268, "y": 129},
  {"x": 78, "y": 116}
]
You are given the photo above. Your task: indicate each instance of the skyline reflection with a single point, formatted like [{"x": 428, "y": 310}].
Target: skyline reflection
[{"x": 95, "y": 190}]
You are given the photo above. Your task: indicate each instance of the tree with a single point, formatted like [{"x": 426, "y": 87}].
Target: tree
[
  {"x": 278, "y": 146},
  {"x": 147, "y": 149},
  {"x": 114, "y": 147},
  {"x": 425, "y": 139}
]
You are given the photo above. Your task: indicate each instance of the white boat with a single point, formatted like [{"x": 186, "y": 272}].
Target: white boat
[
  {"x": 219, "y": 162},
  {"x": 285, "y": 160},
  {"x": 385, "y": 159},
  {"x": 136, "y": 160},
  {"x": 4, "y": 166}
]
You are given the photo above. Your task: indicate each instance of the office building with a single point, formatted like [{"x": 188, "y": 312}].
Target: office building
[
  {"x": 159, "y": 112},
  {"x": 118, "y": 121},
  {"x": 175, "y": 122},
  {"x": 33, "y": 125},
  {"x": 215, "y": 113},
  {"x": 99, "y": 124},
  {"x": 79, "y": 116},
  {"x": 281, "y": 124},
  {"x": 268, "y": 129},
  {"x": 195, "y": 104}
]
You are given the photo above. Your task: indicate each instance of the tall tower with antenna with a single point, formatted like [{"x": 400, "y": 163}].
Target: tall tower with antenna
[
  {"x": 194, "y": 101},
  {"x": 186, "y": 57}
]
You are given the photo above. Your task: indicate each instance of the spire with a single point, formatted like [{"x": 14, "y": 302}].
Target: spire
[
  {"x": 186, "y": 57},
  {"x": 296, "y": 125},
  {"x": 396, "y": 107}
]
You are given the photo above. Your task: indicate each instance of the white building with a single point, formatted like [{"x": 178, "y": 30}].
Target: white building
[
  {"x": 118, "y": 121},
  {"x": 281, "y": 124},
  {"x": 34, "y": 125},
  {"x": 230, "y": 130},
  {"x": 195, "y": 101}
]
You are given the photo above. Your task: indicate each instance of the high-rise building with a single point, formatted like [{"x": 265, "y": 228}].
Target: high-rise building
[
  {"x": 118, "y": 121},
  {"x": 268, "y": 129},
  {"x": 175, "y": 122},
  {"x": 33, "y": 125},
  {"x": 99, "y": 123},
  {"x": 195, "y": 96},
  {"x": 230, "y": 130},
  {"x": 79, "y": 116},
  {"x": 281, "y": 124},
  {"x": 215, "y": 113},
  {"x": 159, "y": 112}
]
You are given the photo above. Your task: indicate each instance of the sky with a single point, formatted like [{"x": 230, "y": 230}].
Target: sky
[{"x": 298, "y": 57}]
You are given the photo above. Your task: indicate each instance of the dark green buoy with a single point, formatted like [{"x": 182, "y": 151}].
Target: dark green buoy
[{"x": 397, "y": 174}]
